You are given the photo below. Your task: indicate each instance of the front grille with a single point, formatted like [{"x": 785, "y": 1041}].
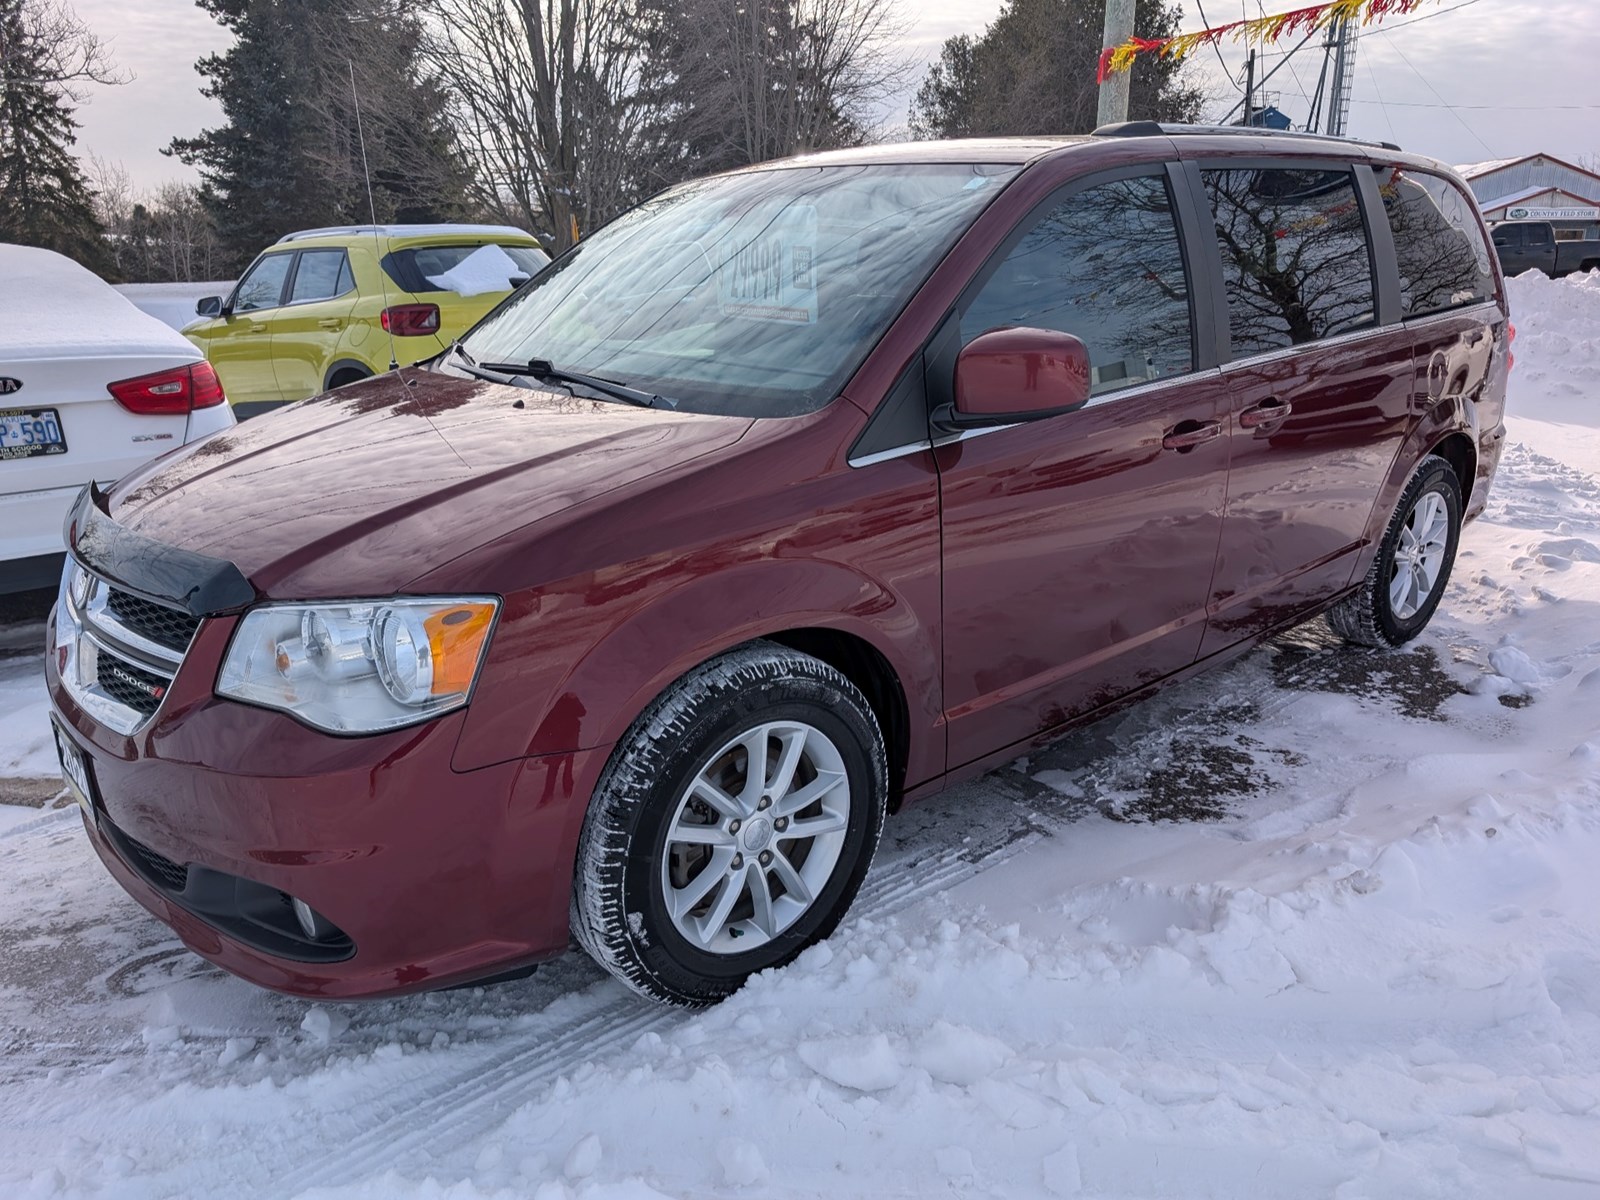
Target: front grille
[
  {"x": 162, "y": 625},
  {"x": 157, "y": 869},
  {"x": 129, "y": 685}
]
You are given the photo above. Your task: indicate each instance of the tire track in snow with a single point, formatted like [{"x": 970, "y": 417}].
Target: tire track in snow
[{"x": 1002, "y": 814}]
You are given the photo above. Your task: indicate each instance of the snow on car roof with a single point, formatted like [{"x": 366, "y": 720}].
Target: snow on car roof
[
  {"x": 407, "y": 231},
  {"x": 50, "y": 307}
]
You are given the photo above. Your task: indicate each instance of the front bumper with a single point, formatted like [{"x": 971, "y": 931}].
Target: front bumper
[
  {"x": 435, "y": 876},
  {"x": 216, "y": 815}
]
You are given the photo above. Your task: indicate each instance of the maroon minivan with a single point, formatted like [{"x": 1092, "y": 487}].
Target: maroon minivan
[{"x": 788, "y": 498}]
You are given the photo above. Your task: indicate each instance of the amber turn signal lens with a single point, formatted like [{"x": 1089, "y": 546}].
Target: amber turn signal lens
[{"x": 456, "y": 637}]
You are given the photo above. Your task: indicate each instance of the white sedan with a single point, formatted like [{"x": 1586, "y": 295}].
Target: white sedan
[{"x": 90, "y": 387}]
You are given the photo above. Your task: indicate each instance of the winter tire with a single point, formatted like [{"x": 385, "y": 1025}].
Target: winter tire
[
  {"x": 732, "y": 827},
  {"x": 1407, "y": 579}
]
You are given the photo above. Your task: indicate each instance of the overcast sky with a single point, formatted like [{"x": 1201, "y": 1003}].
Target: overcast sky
[{"x": 1462, "y": 81}]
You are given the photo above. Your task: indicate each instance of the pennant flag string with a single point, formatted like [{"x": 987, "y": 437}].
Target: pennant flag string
[{"x": 1260, "y": 30}]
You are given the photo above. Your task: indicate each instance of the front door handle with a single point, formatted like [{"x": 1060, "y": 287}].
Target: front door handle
[
  {"x": 257, "y": 328},
  {"x": 330, "y": 322},
  {"x": 1268, "y": 412},
  {"x": 1186, "y": 435}
]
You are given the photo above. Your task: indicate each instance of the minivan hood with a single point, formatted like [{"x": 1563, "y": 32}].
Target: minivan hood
[{"x": 359, "y": 491}]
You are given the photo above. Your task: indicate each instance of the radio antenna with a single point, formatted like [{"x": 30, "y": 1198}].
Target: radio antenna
[{"x": 372, "y": 211}]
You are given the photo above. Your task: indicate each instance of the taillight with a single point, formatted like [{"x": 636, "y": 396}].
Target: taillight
[
  {"x": 411, "y": 320},
  {"x": 1511, "y": 337},
  {"x": 171, "y": 392}
]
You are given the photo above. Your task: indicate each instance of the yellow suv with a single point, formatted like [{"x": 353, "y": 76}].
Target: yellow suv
[{"x": 326, "y": 307}]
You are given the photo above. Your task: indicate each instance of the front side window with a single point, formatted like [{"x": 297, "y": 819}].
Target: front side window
[
  {"x": 755, "y": 294},
  {"x": 321, "y": 275},
  {"x": 1105, "y": 266},
  {"x": 1294, "y": 255},
  {"x": 1505, "y": 235},
  {"x": 1437, "y": 242},
  {"x": 262, "y": 286}
]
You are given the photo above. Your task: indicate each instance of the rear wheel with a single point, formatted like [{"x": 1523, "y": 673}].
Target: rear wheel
[
  {"x": 732, "y": 827},
  {"x": 1407, "y": 579},
  {"x": 347, "y": 375}
]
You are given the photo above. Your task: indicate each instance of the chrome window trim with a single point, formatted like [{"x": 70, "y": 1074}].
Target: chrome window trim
[
  {"x": 1446, "y": 314},
  {"x": 1284, "y": 352},
  {"x": 1099, "y": 401}
]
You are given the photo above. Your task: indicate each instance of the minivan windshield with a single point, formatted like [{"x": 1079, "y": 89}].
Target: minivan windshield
[{"x": 754, "y": 294}]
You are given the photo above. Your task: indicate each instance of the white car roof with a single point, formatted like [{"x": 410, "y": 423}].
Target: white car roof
[{"x": 50, "y": 307}]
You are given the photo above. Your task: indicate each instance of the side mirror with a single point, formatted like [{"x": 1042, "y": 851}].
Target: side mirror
[
  {"x": 1007, "y": 376},
  {"x": 210, "y": 306}
]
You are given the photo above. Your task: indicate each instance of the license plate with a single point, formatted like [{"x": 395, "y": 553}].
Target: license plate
[
  {"x": 30, "y": 432},
  {"x": 74, "y": 770}
]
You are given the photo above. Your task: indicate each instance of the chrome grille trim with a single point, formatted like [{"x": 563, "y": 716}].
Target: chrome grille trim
[{"x": 94, "y": 633}]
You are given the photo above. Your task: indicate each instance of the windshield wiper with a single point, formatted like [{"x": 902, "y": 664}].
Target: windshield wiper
[
  {"x": 458, "y": 357},
  {"x": 547, "y": 372}
]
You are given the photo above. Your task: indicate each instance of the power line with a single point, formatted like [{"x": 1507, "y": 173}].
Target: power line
[
  {"x": 1435, "y": 91},
  {"x": 1490, "y": 107},
  {"x": 1373, "y": 75},
  {"x": 1207, "y": 24},
  {"x": 1429, "y": 16}
]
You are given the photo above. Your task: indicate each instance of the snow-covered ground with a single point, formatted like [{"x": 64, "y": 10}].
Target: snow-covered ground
[
  {"x": 1319, "y": 925},
  {"x": 172, "y": 302}
]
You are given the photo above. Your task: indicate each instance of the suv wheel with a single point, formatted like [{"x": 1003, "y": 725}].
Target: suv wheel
[
  {"x": 1407, "y": 579},
  {"x": 732, "y": 827}
]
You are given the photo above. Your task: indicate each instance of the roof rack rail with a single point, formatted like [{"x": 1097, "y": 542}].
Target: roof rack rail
[
  {"x": 404, "y": 230},
  {"x": 1158, "y": 129}
]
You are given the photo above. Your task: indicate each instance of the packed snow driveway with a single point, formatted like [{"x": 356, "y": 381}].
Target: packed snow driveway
[{"x": 1318, "y": 925}]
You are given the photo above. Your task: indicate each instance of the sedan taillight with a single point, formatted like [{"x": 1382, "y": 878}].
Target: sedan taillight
[
  {"x": 171, "y": 392},
  {"x": 411, "y": 320}
]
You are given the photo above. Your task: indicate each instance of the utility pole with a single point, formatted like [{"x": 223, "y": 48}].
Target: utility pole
[
  {"x": 1250, "y": 89},
  {"x": 1114, "y": 91}
]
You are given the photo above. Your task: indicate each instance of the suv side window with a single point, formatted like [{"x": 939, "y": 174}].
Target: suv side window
[
  {"x": 1294, "y": 255},
  {"x": 262, "y": 286},
  {"x": 321, "y": 275},
  {"x": 1106, "y": 266},
  {"x": 1437, "y": 242}
]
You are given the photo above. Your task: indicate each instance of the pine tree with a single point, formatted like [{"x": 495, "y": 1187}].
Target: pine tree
[
  {"x": 1033, "y": 72},
  {"x": 289, "y": 155},
  {"x": 45, "y": 200}
]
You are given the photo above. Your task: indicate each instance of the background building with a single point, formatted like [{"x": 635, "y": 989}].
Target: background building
[{"x": 1537, "y": 187}]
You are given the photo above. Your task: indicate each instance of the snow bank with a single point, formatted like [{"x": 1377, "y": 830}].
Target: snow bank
[
  {"x": 486, "y": 269},
  {"x": 1557, "y": 365},
  {"x": 172, "y": 303},
  {"x": 50, "y": 307}
]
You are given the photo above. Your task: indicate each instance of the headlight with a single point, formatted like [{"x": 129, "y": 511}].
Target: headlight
[{"x": 360, "y": 666}]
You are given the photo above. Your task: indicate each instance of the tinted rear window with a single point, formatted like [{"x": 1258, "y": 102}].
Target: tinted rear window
[
  {"x": 413, "y": 268},
  {"x": 1294, "y": 255},
  {"x": 1444, "y": 262}
]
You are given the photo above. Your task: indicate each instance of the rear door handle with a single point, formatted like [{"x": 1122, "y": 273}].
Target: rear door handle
[
  {"x": 330, "y": 322},
  {"x": 255, "y": 328},
  {"x": 1268, "y": 412},
  {"x": 1186, "y": 435}
]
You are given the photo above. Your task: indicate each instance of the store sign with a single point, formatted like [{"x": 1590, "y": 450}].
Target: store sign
[{"x": 1522, "y": 213}]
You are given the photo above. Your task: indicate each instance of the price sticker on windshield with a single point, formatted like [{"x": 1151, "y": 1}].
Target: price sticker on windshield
[{"x": 772, "y": 277}]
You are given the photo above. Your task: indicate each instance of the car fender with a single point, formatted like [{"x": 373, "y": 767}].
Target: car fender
[
  {"x": 345, "y": 363},
  {"x": 602, "y": 690},
  {"x": 1449, "y": 415}
]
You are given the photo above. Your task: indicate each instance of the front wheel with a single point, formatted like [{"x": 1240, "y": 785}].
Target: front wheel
[
  {"x": 732, "y": 826},
  {"x": 1408, "y": 577}
]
